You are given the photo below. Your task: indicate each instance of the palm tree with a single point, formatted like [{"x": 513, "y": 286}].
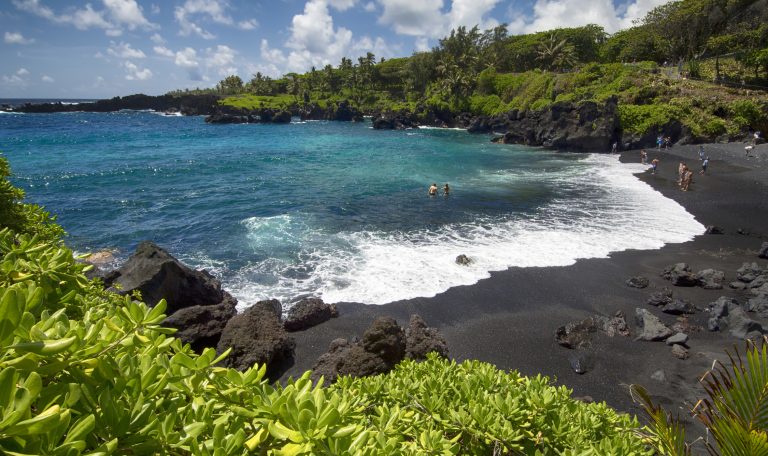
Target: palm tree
[{"x": 556, "y": 54}]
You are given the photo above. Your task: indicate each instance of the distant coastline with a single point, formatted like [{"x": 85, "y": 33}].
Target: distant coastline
[{"x": 13, "y": 102}]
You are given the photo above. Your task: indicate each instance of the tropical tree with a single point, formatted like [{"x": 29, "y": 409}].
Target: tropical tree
[
  {"x": 557, "y": 54},
  {"x": 230, "y": 85}
]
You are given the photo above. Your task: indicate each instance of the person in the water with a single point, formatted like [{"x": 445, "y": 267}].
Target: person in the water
[
  {"x": 433, "y": 190},
  {"x": 446, "y": 190}
]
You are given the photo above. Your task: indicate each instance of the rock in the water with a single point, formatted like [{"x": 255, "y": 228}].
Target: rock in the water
[
  {"x": 157, "y": 275},
  {"x": 652, "y": 329},
  {"x": 741, "y": 326},
  {"x": 710, "y": 279},
  {"x": 463, "y": 260},
  {"x": 763, "y": 252},
  {"x": 421, "y": 340},
  {"x": 713, "y": 229},
  {"x": 679, "y": 338},
  {"x": 660, "y": 298},
  {"x": 201, "y": 326},
  {"x": 680, "y": 275},
  {"x": 309, "y": 312},
  {"x": 637, "y": 282},
  {"x": 679, "y": 352},
  {"x": 679, "y": 307},
  {"x": 257, "y": 336}
]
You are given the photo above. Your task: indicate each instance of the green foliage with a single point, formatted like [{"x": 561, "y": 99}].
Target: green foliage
[
  {"x": 643, "y": 118},
  {"x": 748, "y": 113},
  {"x": 735, "y": 409},
  {"x": 23, "y": 218}
]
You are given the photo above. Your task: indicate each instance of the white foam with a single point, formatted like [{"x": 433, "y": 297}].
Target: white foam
[
  {"x": 378, "y": 267},
  {"x": 427, "y": 127}
]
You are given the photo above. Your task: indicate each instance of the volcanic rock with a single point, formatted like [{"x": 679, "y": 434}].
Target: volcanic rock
[
  {"x": 678, "y": 307},
  {"x": 678, "y": 338},
  {"x": 679, "y": 352},
  {"x": 652, "y": 329},
  {"x": 257, "y": 336},
  {"x": 421, "y": 340},
  {"x": 201, "y": 326},
  {"x": 710, "y": 279},
  {"x": 680, "y": 275},
  {"x": 463, "y": 260},
  {"x": 763, "y": 252},
  {"x": 309, "y": 312},
  {"x": 637, "y": 282},
  {"x": 660, "y": 298}
]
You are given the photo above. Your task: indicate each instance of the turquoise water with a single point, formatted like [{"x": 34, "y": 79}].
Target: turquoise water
[{"x": 330, "y": 209}]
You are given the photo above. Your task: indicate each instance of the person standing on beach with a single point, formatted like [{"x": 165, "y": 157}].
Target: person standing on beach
[
  {"x": 687, "y": 180},
  {"x": 654, "y": 165},
  {"x": 643, "y": 156},
  {"x": 681, "y": 169},
  {"x": 446, "y": 190},
  {"x": 432, "y": 190},
  {"x": 704, "y": 165},
  {"x": 701, "y": 152},
  {"x": 659, "y": 140},
  {"x": 615, "y": 147}
]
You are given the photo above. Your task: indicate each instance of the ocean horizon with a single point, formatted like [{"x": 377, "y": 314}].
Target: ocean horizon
[{"x": 332, "y": 210}]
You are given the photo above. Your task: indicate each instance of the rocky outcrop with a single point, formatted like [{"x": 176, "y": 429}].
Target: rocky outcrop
[
  {"x": 383, "y": 345},
  {"x": 680, "y": 275},
  {"x": 395, "y": 121},
  {"x": 157, "y": 275},
  {"x": 578, "y": 334},
  {"x": 585, "y": 126},
  {"x": 342, "y": 111},
  {"x": 463, "y": 260},
  {"x": 420, "y": 340},
  {"x": 637, "y": 282},
  {"x": 257, "y": 336},
  {"x": 201, "y": 326},
  {"x": 710, "y": 279},
  {"x": 660, "y": 298},
  {"x": 230, "y": 115},
  {"x": 309, "y": 312},
  {"x": 678, "y": 307},
  {"x": 189, "y": 105}
]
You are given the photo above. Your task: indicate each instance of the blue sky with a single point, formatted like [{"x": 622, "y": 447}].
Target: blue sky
[{"x": 104, "y": 48}]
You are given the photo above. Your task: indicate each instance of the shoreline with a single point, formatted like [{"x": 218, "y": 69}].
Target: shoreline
[{"x": 510, "y": 318}]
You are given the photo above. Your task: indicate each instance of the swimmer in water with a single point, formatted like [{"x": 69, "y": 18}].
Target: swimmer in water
[
  {"x": 446, "y": 190},
  {"x": 432, "y": 190}
]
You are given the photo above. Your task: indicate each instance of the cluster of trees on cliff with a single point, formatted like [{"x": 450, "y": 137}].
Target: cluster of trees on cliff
[{"x": 688, "y": 33}]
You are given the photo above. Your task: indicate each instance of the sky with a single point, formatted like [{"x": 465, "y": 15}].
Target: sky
[{"x": 106, "y": 48}]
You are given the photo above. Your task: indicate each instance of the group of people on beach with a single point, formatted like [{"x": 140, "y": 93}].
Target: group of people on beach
[
  {"x": 433, "y": 190},
  {"x": 685, "y": 175}
]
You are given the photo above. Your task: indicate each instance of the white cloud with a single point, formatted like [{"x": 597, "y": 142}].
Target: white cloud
[
  {"x": 164, "y": 51},
  {"x": 342, "y": 5},
  {"x": 125, "y": 51},
  {"x": 550, "y": 14},
  {"x": 409, "y": 17},
  {"x": 314, "y": 40},
  {"x": 47, "y": 78},
  {"x": 121, "y": 12},
  {"x": 17, "y": 38},
  {"x": 157, "y": 39},
  {"x": 187, "y": 58},
  {"x": 221, "y": 56},
  {"x": 422, "y": 44},
  {"x": 127, "y": 12},
  {"x": 369, "y": 7},
  {"x": 135, "y": 72},
  {"x": 16, "y": 79},
  {"x": 427, "y": 18},
  {"x": 250, "y": 24},
  {"x": 210, "y": 10}
]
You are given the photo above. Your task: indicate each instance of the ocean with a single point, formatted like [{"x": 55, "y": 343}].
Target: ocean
[{"x": 330, "y": 209}]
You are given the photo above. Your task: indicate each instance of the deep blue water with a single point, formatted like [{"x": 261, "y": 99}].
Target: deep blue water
[{"x": 331, "y": 209}]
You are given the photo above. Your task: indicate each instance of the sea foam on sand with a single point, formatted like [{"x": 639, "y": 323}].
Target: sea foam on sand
[{"x": 618, "y": 212}]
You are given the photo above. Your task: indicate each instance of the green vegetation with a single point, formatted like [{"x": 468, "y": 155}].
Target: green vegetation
[
  {"x": 85, "y": 371},
  {"x": 491, "y": 72},
  {"x": 735, "y": 409}
]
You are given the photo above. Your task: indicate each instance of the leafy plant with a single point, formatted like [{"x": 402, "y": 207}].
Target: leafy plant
[{"x": 735, "y": 409}]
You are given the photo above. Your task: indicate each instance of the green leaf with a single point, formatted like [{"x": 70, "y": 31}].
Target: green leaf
[
  {"x": 45, "y": 347},
  {"x": 80, "y": 429},
  {"x": 38, "y": 425},
  {"x": 12, "y": 305}
]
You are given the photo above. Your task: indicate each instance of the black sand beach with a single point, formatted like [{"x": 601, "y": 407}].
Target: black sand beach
[{"x": 510, "y": 318}]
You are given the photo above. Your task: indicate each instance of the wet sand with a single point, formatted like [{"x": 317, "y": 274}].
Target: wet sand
[{"x": 510, "y": 318}]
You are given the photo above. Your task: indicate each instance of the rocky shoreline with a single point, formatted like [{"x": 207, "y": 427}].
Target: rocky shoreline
[
  {"x": 657, "y": 318},
  {"x": 577, "y": 127}
]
